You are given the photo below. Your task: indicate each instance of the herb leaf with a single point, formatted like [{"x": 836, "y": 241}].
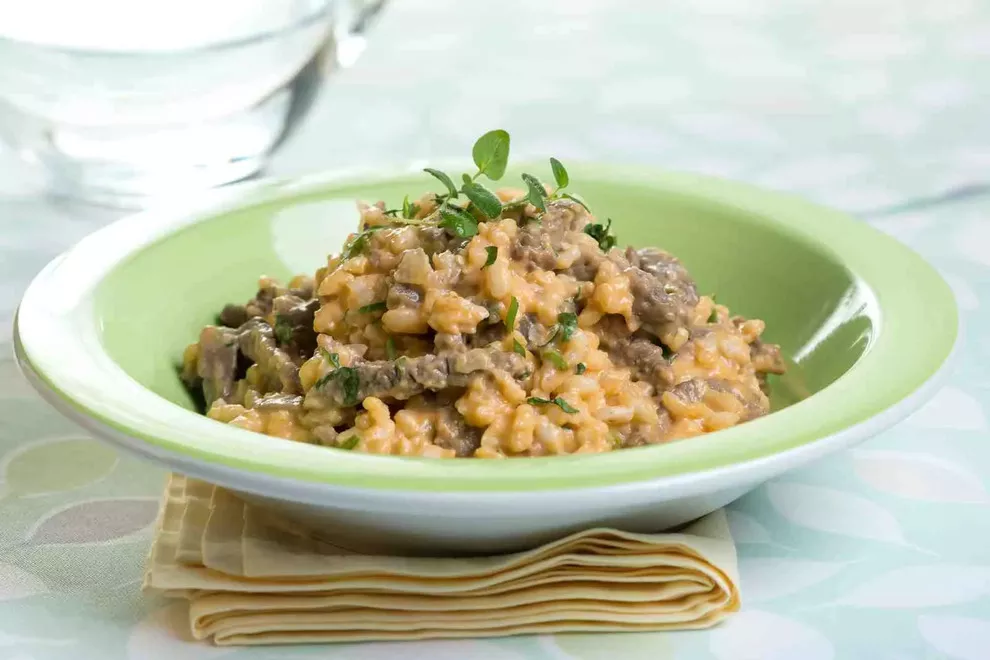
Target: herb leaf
[
  {"x": 379, "y": 306},
  {"x": 518, "y": 348},
  {"x": 713, "y": 317},
  {"x": 458, "y": 222},
  {"x": 575, "y": 198},
  {"x": 600, "y": 233},
  {"x": 390, "y": 352},
  {"x": 559, "y": 173},
  {"x": 332, "y": 358},
  {"x": 557, "y": 401},
  {"x": 492, "y": 255},
  {"x": 536, "y": 193},
  {"x": 444, "y": 179},
  {"x": 580, "y": 368},
  {"x": 491, "y": 153},
  {"x": 350, "y": 442},
  {"x": 349, "y": 383},
  {"x": 283, "y": 329},
  {"x": 486, "y": 201},
  {"x": 358, "y": 243},
  {"x": 568, "y": 322},
  {"x": 510, "y": 318},
  {"x": 556, "y": 359}
]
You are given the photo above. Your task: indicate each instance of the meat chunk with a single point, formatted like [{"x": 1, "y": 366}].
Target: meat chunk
[
  {"x": 640, "y": 355},
  {"x": 217, "y": 362},
  {"x": 454, "y": 433},
  {"x": 257, "y": 342},
  {"x": 403, "y": 379}
]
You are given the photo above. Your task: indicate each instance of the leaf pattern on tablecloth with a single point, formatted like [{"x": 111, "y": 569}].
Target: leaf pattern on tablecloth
[
  {"x": 745, "y": 528},
  {"x": 950, "y": 408},
  {"x": 918, "y": 476},
  {"x": 16, "y": 582},
  {"x": 833, "y": 511},
  {"x": 766, "y": 578},
  {"x": 758, "y": 635},
  {"x": 52, "y": 465},
  {"x": 921, "y": 586},
  {"x": 958, "y": 637},
  {"x": 628, "y": 646},
  {"x": 95, "y": 521}
]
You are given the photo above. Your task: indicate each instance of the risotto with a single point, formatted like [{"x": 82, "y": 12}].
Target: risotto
[{"x": 486, "y": 324}]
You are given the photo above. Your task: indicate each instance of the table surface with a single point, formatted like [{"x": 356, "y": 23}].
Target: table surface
[{"x": 878, "y": 107}]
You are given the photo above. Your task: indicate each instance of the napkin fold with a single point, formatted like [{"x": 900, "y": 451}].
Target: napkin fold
[{"x": 249, "y": 581}]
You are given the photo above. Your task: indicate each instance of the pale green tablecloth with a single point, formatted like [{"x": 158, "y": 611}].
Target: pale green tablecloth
[{"x": 879, "y": 552}]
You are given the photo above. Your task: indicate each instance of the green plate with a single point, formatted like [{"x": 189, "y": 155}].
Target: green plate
[{"x": 864, "y": 321}]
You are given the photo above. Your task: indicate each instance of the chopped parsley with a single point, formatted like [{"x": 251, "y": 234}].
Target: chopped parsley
[
  {"x": 510, "y": 319},
  {"x": 492, "y": 255},
  {"x": 379, "y": 306},
  {"x": 358, "y": 243},
  {"x": 332, "y": 358},
  {"x": 390, "y": 352},
  {"x": 567, "y": 321},
  {"x": 713, "y": 317},
  {"x": 347, "y": 379},
  {"x": 557, "y": 401},
  {"x": 350, "y": 442},
  {"x": 283, "y": 329},
  {"x": 518, "y": 348},
  {"x": 580, "y": 368},
  {"x": 601, "y": 233},
  {"x": 555, "y": 358}
]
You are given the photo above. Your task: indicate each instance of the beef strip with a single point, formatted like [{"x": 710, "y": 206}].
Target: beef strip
[
  {"x": 403, "y": 379},
  {"x": 217, "y": 362},
  {"x": 233, "y": 316},
  {"x": 257, "y": 341},
  {"x": 644, "y": 358},
  {"x": 768, "y": 357},
  {"x": 298, "y": 314},
  {"x": 455, "y": 433},
  {"x": 694, "y": 390}
]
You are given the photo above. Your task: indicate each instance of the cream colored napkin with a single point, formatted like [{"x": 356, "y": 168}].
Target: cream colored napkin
[{"x": 248, "y": 582}]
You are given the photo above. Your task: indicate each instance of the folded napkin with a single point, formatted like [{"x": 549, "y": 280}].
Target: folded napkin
[{"x": 249, "y": 581}]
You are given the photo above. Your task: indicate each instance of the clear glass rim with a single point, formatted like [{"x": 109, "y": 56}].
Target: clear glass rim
[{"x": 305, "y": 21}]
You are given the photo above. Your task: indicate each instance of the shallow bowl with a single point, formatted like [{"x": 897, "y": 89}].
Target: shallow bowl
[{"x": 866, "y": 325}]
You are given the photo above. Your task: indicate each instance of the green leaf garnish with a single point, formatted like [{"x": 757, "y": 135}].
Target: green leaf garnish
[
  {"x": 510, "y": 319},
  {"x": 390, "y": 352},
  {"x": 458, "y": 222},
  {"x": 713, "y": 317},
  {"x": 568, "y": 323},
  {"x": 536, "y": 194},
  {"x": 444, "y": 179},
  {"x": 349, "y": 383},
  {"x": 379, "y": 306},
  {"x": 332, "y": 358},
  {"x": 616, "y": 441},
  {"x": 518, "y": 348},
  {"x": 575, "y": 198},
  {"x": 491, "y": 154},
  {"x": 486, "y": 201},
  {"x": 600, "y": 233},
  {"x": 559, "y": 173},
  {"x": 358, "y": 243},
  {"x": 350, "y": 442},
  {"x": 283, "y": 329},
  {"x": 556, "y": 359},
  {"x": 492, "y": 255},
  {"x": 557, "y": 401},
  {"x": 580, "y": 368}
]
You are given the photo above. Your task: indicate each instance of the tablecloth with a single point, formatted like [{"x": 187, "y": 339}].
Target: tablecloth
[{"x": 874, "y": 106}]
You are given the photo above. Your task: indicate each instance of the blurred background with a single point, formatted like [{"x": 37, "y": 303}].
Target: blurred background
[{"x": 867, "y": 105}]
